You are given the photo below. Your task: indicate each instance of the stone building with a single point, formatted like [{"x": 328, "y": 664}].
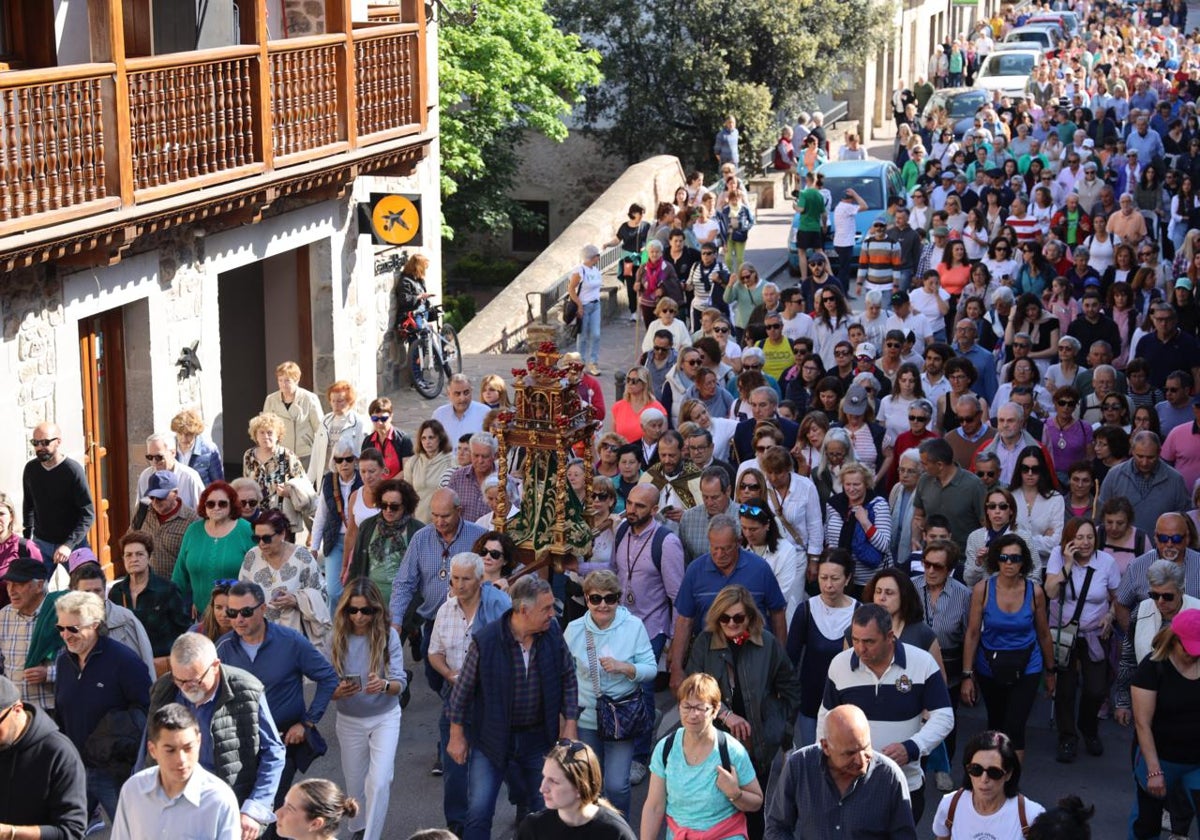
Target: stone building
[{"x": 159, "y": 195}]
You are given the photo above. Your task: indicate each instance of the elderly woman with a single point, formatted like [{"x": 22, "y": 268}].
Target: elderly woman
[
  {"x": 759, "y": 689},
  {"x": 613, "y": 658},
  {"x": 288, "y": 573},
  {"x": 97, "y": 676},
  {"x": 1166, "y": 693},
  {"x": 278, "y": 471},
  {"x": 655, "y": 280},
  {"x": 333, "y": 513},
  {"x": 701, "y": 779},
  {"x": 1067, "y": 438},
  {"x": 666, "y": 313},
  {"x": 194, "y": 449},
  {"x": 342, "y": 423},
  {"x": 213, "y": 547},
  {"x": 990, "y": 803},
  {"x": 900, "y": 502},
  {"x": 382, "y": 538},
  {"x": 299, "y": 411},
  {"x": 858, "y": 519},
  {"x": 156, "y": 601},
  {"x": 1000, "y": 513},
  {"x": 746, "y": 294}
]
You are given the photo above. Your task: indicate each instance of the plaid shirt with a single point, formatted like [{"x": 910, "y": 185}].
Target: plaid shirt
[
  {"x": 16, "y": 631},
  {"x": 168, "y": 537}
]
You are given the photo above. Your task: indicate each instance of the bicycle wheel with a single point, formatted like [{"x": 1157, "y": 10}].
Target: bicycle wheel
[
  {"x": 427, "y": 375},
  {"x": 451, "y": 352}
]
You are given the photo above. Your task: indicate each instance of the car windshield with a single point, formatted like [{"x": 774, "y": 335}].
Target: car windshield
[
  {"x": 1036, "y": 37},
  {"x": 965, "y": 105},
  {"x": 869, "y": 188},
  {"x": 1008, "y": 65}
]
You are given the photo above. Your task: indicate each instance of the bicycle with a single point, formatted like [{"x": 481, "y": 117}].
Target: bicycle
[{"x": 433, "y": 354}]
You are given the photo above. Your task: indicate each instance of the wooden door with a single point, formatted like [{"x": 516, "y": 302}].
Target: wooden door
[{"x": 102, "y": 368}]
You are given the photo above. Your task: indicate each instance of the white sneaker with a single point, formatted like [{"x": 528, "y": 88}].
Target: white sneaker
[
  {"x": 633, "y": 316},
  {"x": 637, "y": 773},
  {"x": 944, "y": 782}
]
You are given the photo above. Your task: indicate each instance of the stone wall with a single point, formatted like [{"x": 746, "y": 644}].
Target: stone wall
[{"x": 32, "y": 311}]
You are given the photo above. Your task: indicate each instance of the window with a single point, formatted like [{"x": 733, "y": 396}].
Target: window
[{"x": 531, "y": 227}]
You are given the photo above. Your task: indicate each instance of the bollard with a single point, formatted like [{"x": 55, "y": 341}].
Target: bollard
[{"x": 619, "y": 382}]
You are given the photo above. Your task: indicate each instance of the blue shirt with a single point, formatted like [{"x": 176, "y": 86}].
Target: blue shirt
[
  {"x": 284, "y": 658},
  {"x": 703, "y": 580},
  {"x": 985, "y": 365},
  {"x": 205, "y": 808},
  {"x": 426, "y": 567}
]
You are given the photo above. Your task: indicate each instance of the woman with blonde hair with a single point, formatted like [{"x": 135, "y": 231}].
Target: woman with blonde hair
[
  {"x": 859, "y": 519},
  {"x": 571, "y": 782},
  {"x": 627, "y": 411},
  {"x": 493, "y": 391},
  {"x": 298, "y": 410},
  {"x": 194, "y": 449},
  {"x": 366, "y": 651},
  {"x": 274, "y": 467}
]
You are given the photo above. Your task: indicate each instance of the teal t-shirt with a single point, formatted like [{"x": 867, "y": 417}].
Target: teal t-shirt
[
  {"x": 693, "y": 798},
  {"x": 812, "y": 206}
]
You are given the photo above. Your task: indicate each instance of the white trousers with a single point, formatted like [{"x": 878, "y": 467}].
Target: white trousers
[{"x": 368, "y": 761}]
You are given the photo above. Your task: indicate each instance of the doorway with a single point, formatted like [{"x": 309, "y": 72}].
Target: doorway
[{"x": 106, "y": 449}]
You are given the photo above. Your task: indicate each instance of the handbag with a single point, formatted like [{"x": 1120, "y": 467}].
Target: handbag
[
  {"x": 1007, "y": 666},
  {"x": 570, "y": 311},
  {"x": 1065, "y": 635},
  {"x": 618, "y": 719}
]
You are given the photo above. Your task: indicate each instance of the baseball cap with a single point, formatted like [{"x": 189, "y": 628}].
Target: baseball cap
[
  {"x": 1186, "y": 625},
  {"x": 25, "y": 569},
  {"x": 1089, "y": 143},
  {"x": 899, "y": 298},
  {"x": 855, "y": 403},
  {"x": 80, "y": 556},
  {"x": 948, "y": 175},
  {"x": 161, "y": 484},
  {"x": 866, "y": 349},
  {"x": 1183, "y": 283},
  {"x": 816, "y": 258}
]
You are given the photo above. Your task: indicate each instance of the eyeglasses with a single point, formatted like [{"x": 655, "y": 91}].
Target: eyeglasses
[
  {"x": 250, "y": 503},
  {"x": 492, "y": 553},
  {"x": 391, "y": 507},
  {"x": 610, "y": 598},
  {"x": 996, "y": 505},
  {"x": 1010, "y": 558},
  {"x": 917, "y": 418},
  {"x": 1165, "y": 597},
  {"x": 263, "y": 538},
  {"x": 726, "y": 618},
  {"x": 244, "y": 612},
  {"x": 1068, "y": 403},
  {"x": 40, "y": 442},
  {"x": 193, "y": 683},
  {"x": 156, "y": 459},
  {"x": 72, "y": 629},
  {"x": 349, "y": 459},
  {"x": 751, "y": 510},
  {"x": 1173, "y": 539},
  {"x": 212, "y": 504},
  {"x": 689, "y": 709},
  {"x": 380, "y": 418},
  {"x": 993, "y": 773},
  {"x": 368, "y": 611},
  {"x": 752, "y": 487}
]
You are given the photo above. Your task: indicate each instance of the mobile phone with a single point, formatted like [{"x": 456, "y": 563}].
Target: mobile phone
[{"x": 353, "y": 679}]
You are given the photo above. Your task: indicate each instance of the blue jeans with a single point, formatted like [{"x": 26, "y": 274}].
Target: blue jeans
[
  {"x": 526, "y": 754},
  {"x": 939, "y": 760},
  {"x": 333, "y": 572},
  {"x": 102, "y": 790},
  {"x": 904, "y": 279},
  {"x": 48, "y": 548},
  {"x": 454, "y": 778},
  {"x": 805, "y": 733},
  {"x": 615, "y": 759},
  {"x": 642, "y": 746},
  {"x": 1145, "y": 820},
  {"x": 588, "y": 343}
]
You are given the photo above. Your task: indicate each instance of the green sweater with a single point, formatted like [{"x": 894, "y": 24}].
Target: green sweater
[{"x": 203, "y": 560}]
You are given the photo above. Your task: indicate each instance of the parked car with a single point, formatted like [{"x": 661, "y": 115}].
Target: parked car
[
  {"x": 1046, "y": 37},
  {"x": 960, "y": 106},
  {"x": 1007, "y": 71},
  {"x": 1067, "y": 20},
  {"x": 876, "y": 181}
]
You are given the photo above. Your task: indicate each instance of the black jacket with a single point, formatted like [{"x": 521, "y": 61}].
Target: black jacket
[{"x": 45, "y": 762}]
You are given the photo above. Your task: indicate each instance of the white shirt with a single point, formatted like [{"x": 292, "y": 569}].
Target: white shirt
[
  {"x": 799, "y": 327},
  {"x": 926, "y": 304},
  {"x": 843, "y": 223},
  {"x": 800, "y": 506},
  {"x": 205, "y": 810},
  {"x": 915, "y": 323},
  {"x": 190, "y": 485},
  {"x": 470, "y": 423},
  {"x": 970, "y": 826}
]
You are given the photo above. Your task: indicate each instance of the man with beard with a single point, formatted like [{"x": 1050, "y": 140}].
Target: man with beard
[
  {"x": 58, "y": 510},
  {"x": 676, "y": 480}
]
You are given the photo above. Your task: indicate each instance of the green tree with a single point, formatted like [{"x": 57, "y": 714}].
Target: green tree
[
  {"x": 674, "y": 69},
  {"x": 509, "y": 70}
]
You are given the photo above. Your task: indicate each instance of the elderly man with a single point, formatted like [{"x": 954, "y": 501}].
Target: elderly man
[
  {"x": 166, "y": 520},
  {"x": 160, "y": 455},
  {"x": 1010, "y": 439},
  {"x": 764, "y": 405},
  {"x": 726, "y": 564},
  {"x": 470, "y": 607},
  {"x": 239, "y": 743},
  {"x": 966, "y": 334},
  {"x": 462, "y": 415},
  {"x": 514, "y": 696},
  {"x": 57, "y": 509},
  {"x": 899, "y": 688},
  {"x": 676, "y": 480},
  {"x": 1152, "y": 486},
  {"x": 972, "y": 431},
  {"x": 467, "y": 481},
  {"x": 1104, "y": 384},
  {"x": 1176, "y": 409},
  {"x": 701, "y": 451},
  {"x": 1171, "y": 534},
  {"x": 947, "y": 489},
  {"x": 1168, "y": 348},
  {"x": 1099, "y": 353},
  {"x": 841, "y": 787},
  {"x": 426, "y": 566},
  {"x": 714, "y": 500},
  {"x": 28, "y": 640},
  {"x": 1127, "y": 224}
]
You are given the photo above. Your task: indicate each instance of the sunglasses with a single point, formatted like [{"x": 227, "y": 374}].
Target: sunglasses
[
  {"x": 1173, "y": 539},
  {"x": 726, "y": 618},
  {"x": 936, "y": 566},
  {"x": 1165, "y": 597},
  {"x": 349, "y": 459},
  {"x": 751, "y": 510},
  {"x": 764, "y": 448},
  {"x": 72, "y": 629},
  {"x": 1068, "y": 403},
  {"x": 828, "y": 300},
  {"x": 573, "y": 747},
  {"x": 1029, "y": 469},
  {"x": 602, "y": 496},
  {"x": 841, "y": 352},
  {"x": 244, "y": 612},
  {"x": 250, "y": 503},
  {"x": 492, "y": 553},
  {"x": 263, "y": 538},
  {"x": 633, "y": 380},
  {"x": 43, "y": 441},
  {"x": 753, "y": 487},
  {"x": 993, "y": 773},
  {"x": 610, "y": 598},
  {"x": 1010, "y": 558},
  {"x": 721, "y": 330},
  {"x": 225, "y": 582},
  {"x": 156, "y": 459},
  {"x": 662, "y": 349},
  {"x": 380, "y": 418},
  {"x": 996, "y": 505},
  {"x": 213, "y": 504},
  {"x": 917, "y": 418},
  {"x": 986, "y": 473},
  {"x": 364, "y": 610}
]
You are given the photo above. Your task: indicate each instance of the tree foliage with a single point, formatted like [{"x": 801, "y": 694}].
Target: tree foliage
[
  {"x": 675, "y": 68},
  {"x": 509, "y": 70}
]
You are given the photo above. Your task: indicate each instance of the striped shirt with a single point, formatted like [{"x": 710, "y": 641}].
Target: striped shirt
[
  {"x": 16, "y": 632},
  {"x": 878, "y": 262},
  {"x": 1025, "y": 228},
  {"x": 894, "y": 702},
  {"x": 947, "y": 616}
]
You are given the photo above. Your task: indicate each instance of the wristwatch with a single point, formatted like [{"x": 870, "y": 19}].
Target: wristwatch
[
  {"x": 968, "y": 675},
  {"x": 387, "y": 687}
]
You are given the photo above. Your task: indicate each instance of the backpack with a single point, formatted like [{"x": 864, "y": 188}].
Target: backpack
[
  {"x": 958, "y": 795},
  {"x": 723, "y": 749},
  {"x": 656, "y": 545}
]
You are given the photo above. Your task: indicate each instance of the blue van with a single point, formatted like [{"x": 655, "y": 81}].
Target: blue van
[{"x": 876, "y": 181}]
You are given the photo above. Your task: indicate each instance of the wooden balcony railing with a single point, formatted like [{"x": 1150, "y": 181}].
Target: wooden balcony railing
[{"x": 199, "y": 119}]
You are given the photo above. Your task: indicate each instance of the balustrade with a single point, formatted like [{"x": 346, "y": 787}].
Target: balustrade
[
  {"x": 386, "y": 60},
  {"x": 304, "y": 93}
]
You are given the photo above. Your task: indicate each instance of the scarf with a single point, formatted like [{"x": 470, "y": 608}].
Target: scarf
[
  {"x": 163, "y": 517},
  {"x": 654, "y": 273},
  {"x": 739, "y": 640}
]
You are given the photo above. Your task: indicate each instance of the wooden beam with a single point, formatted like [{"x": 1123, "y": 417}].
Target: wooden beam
[
  {"x": 339, "y": 18},
  {"x": 254, "y": 31},
  {"x": 105, "y": 18}
]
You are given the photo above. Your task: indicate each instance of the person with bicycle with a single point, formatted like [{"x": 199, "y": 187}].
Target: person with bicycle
[{"x": 411, "y": 293}]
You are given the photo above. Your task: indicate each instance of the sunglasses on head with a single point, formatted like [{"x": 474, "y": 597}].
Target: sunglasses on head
[
  {"x": 751, "y": 510},
  {"x": 244, "y": 612},
  {"x": 573, "y": 747},
  {"x": 993, "y": 773},
  {"x": 364, "y": 610},
  {"x": 610, "y": 598}
]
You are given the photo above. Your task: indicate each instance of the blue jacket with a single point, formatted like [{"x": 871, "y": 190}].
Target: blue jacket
[
  {"x": 206, "y": 460},
  {"x": 114, "y": 678},
  {"x": 284, "y": 658},
  {"x": 625, "y": 640},
  {"x": 493, "y": 603}
]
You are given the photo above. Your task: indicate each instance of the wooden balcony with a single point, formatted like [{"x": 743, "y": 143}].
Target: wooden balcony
[{"x": 109, "y": 141}]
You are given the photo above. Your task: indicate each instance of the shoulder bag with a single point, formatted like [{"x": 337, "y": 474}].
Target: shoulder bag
[
  {"x": 1065, "y": 634},
  {"x": 618, "y": 719}
]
